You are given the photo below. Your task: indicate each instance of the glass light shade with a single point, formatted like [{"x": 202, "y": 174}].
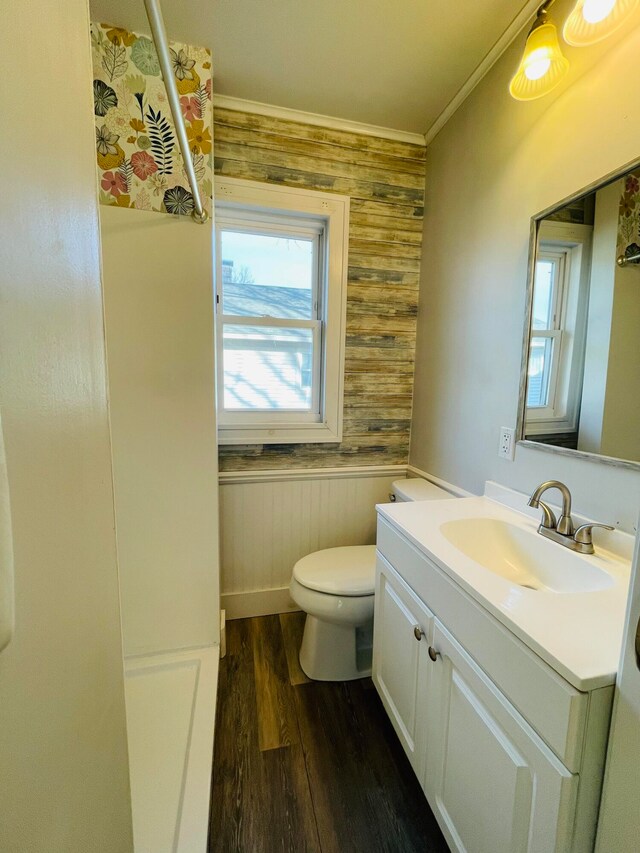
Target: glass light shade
[
  {"x": 594, "y": 20},
  {"x": 542, "y": 65}
]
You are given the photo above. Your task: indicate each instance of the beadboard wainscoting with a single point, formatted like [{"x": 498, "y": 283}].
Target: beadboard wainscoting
[{"x": 269, "y": 520}]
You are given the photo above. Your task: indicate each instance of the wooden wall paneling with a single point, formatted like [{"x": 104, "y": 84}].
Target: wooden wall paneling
[
  {"x": 385, "y": 181},
  {"x": 298, "y": 130}
]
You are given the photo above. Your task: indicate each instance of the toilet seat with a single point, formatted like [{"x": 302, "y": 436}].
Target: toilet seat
[{"x": 347, "y": 571}]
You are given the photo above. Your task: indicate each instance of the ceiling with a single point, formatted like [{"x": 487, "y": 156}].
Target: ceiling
[{"x": 393, "y": 63}]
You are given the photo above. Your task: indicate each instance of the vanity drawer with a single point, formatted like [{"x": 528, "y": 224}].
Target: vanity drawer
[{"x": 552, "y": 706}]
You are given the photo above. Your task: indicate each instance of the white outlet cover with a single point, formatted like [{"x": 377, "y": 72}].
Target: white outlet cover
[{"x": 507, "y": 445}]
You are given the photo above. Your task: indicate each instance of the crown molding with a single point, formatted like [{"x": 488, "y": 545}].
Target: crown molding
[
  {"x": 227, "y": 102},
  {"x": 519, "y": 22}
]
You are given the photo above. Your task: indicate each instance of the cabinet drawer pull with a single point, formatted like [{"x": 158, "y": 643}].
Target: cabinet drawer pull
[
  {"x": 433, "y": 654},
  {"x": 418, "y": 633}
]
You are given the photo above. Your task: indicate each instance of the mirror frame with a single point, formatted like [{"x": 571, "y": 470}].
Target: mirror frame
[{"x": 526, "y": 339}]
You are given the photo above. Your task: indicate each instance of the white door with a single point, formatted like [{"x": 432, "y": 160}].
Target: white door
[
  {"x": 402, "y": 628},
  {"x": 493, "y": 785},
  {"x": 619, "y": 823}
]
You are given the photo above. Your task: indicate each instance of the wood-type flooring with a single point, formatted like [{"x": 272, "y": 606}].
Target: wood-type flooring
[{"x": 307, "y": 766}]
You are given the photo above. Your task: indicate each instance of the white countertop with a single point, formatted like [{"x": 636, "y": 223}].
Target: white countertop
[{"x": 579, "y": 634}]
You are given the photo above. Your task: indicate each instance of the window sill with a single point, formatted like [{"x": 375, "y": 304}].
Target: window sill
[
  {"x": 316, "y": 434},
  {"x": 543, "y": 426}
]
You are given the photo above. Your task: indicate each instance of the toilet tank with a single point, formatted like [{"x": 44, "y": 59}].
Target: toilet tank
[{"x": 417, "y": 489}]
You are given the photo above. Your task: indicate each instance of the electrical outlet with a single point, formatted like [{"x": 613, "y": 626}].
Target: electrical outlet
[{"x": 507, "y": 446}]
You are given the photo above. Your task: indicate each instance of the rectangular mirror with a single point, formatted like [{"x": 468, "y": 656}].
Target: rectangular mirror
[{"x": 580, "y": 385}]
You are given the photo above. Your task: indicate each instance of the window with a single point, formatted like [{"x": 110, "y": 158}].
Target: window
[
  {"x": 558, "y": 320},
  {"x": 281, "y": 295},
  {"x": 546, "y": 329}
]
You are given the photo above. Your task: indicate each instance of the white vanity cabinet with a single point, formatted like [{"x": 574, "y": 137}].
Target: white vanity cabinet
[{"x": 508, "y": 753}]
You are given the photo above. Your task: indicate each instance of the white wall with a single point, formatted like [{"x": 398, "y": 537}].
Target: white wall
[
  {"x": 64, "y": 782},
  {"x": 159, "y": 329},
  {"x": 495, "y": 164},
  {"x": 601, "y": 290},
  {"x": 621, "y": 431},
  {"x": 618, "y": 824},
  {"x": 267, "y": 525}
]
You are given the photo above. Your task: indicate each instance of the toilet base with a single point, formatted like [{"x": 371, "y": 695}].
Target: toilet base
[{"x": 332, "y": 652}]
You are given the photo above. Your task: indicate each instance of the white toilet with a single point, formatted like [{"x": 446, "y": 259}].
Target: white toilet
[{"x": 335, "y": 588}]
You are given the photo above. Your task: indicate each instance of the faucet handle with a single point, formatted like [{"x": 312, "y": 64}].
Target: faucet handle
[{"x": 583, "y": 533}]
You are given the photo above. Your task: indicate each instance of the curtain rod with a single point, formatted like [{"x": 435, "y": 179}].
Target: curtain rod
[
  {"x": 159, "y": 33},
  {"x": 623, "y": 260}
]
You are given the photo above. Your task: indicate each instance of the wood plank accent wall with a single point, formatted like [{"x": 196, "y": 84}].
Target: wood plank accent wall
[{"x": 385, "y": 181}]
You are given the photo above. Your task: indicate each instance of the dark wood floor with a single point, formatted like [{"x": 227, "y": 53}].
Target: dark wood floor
[{"x": 307, "y": 766}]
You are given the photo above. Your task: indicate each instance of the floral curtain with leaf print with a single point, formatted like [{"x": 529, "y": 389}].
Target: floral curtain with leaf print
[
  {"x": 629, "y": 220},
  {"x": 139, "y": 160}
]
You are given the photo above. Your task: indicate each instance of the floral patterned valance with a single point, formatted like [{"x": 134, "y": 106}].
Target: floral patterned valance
[
  {"x": 629, "y": 218},
  {"x": 139, "y": 160}
]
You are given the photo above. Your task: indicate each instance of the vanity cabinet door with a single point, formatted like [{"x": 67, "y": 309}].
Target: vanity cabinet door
[
  {"x": 492, "y": 783},
  {"x": 402, "y": 630}
]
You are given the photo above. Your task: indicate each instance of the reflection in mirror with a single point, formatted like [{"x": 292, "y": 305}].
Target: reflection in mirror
[{"x": 583, "y": 361}]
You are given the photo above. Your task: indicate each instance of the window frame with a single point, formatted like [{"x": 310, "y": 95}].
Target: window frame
[
  {"x": 561, "y": 260},
  {"x": 241, "y": 202},
  {"x": 570, "y": 244},
  {"x": 265, "y": 224}
]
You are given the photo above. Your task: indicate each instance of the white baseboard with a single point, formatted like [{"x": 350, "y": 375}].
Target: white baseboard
[
  {"x": 223, "y": 633},
  {"x": 262, "y": 602}
]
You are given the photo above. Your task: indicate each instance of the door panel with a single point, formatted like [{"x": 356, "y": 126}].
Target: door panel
[
  {"x": 486, "y": 785},
  {"x": 399, "y": 667},
  {"x": 493, "y": 784}
]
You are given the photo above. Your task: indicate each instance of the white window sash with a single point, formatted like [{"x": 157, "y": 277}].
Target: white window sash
[
  {"x": 266, "y": 320},
  {"x": 244, "y": 417},
  {"x": 544, "y": 412}
]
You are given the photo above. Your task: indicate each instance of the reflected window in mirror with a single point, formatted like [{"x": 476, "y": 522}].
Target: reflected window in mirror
[
  {"x": 582, "y": 364},
  {"x": 546, "y": 332},
  {"x": 558, "y": 326}
]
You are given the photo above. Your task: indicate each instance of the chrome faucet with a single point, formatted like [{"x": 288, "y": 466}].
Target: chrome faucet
[
  {"x": 563, "y": 530},
  {"x": 565, "y": 524}
]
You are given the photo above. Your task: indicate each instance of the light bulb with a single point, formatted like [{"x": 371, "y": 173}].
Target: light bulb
[
  {"x": 595, "y": 11},
  {"x": 594, "y": 20},
  {"x": 537, "y": 66},
  {"x": 542, "y": 65}
]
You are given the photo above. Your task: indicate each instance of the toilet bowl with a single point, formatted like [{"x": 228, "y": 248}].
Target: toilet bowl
[{"x": 335, "y": 588}]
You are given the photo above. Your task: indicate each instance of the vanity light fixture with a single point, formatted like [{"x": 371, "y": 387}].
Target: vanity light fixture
[
  {"x": 542, "y": 65},
  {"x": 594, "y": 20}
]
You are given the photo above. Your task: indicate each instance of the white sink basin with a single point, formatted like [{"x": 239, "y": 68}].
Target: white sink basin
[
  {"x": 568, "y": 608},
  {"x": 522, "y": 557}
]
